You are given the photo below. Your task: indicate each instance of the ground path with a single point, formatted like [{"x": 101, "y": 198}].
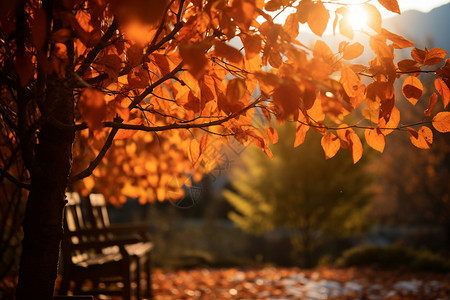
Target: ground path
[{"x": 294, "y": 283}]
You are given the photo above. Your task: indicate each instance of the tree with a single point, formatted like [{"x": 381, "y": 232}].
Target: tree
[
  {"x": 102, "y": 70},
  {"x": 301, "y": 192}
]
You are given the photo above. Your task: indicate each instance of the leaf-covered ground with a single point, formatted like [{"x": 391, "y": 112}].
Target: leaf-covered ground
[{"x": 293, "y": 283}]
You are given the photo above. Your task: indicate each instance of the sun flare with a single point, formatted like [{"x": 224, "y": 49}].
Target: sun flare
[{"x": 358, "y": 17}]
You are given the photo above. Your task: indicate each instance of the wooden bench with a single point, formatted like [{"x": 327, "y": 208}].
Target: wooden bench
[{"x": 101, "y": 256}]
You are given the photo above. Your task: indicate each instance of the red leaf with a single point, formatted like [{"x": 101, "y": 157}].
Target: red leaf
[
  {"x": 441, "y": 121},
  {"x": 252, "y": 45},
  {"x": 418, "y": 55}
]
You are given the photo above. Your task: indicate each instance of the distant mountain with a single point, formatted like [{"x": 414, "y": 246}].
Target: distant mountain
[{"x": 430, "y": 29}]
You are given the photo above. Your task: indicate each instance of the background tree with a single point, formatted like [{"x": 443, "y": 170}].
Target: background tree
[
  {"x": 99, "y": 71},
  {"x": 302, "y": 192}
]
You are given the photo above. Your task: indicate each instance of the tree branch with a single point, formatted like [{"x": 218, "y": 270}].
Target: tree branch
[
  {"x": 88, "y": 171},
  {"x": 99, "y": 47},
  {"x": 149, "y": 89},
  {"x": 15, "y": 180}
]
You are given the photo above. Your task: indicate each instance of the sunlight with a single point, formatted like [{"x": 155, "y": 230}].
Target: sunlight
[{"x": 358, "y": 17}]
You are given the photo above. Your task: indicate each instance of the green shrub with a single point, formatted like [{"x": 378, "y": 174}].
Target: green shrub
[{"x": 393, "y": 257}]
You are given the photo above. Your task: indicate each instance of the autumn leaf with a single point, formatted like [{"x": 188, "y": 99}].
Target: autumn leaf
[
  {"x": 232, "y": 54},
  {"x": 61, "y": 36},
  {"x": 300, "y": 134},
  {"x": 352, "y": 51},
  {"x": 330, "y": 144},
  {"x": 399, "y": 42},
  {"x": 391, "y": 5},
  {"x": 252, "y": 45},
  {"x": 318, "y": 18},
  {"x": 291, "y": 26},
  {"x": 125, "y": 134},
  {"x": 349, "y": 137},
  {"x": 194, "y": 58},
  {"x": 92, "y": 107},
  {"x": 374, "y": 17},
  {"x": 418, "y": 55},
  {"x": 423, "y": 138},
  {"x": 441, "y": 122},
  {"x": 412, "y": 89},
  {"x": 443, "y": 90},
  {"x": 375, "y": 139},
  {"x": 434, "y": 56},
  {"x": 408, "y": 65},
  {"x": 273, "y": 135},
  {"x": 287, "y": 97},
  {"x": 350, "y": 81},
  {"x": 433, "y": 100}
]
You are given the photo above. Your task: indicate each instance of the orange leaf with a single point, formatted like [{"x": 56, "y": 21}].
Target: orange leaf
[
  {"x": 351, "y": 139},
  {"x": 391, "y": 5},
  {"x": 300, "y": 134},
  {"x": 375, "y": 139},
  {"x": 93, "y": 108},
  {"x": 408, "y": 65},
  {"x": 291, "y": 26},
  {"x": 374, "y": 17},
  {"x": 399, "y": 41},
  {"x": 287, "y": 97},
  {"x": 433, "y": 100},
  {"x": 330, "y": 144},
  {"x": 387, "y": 126},
  {"x": 232, "y": 54},
  {"x": 421, "y": 139},
  {"x": 273, "y": 135},
  {"x": 443, "y": 90},
  {"x": 252, "y": 45},
  {"x": 318, "y": 18},
  {"x": 350, "y": 81},
  {"x": 418, "y": 55},
  {"x": 441, "y": 121},
  {"x": 434, "y": 56},
  {"x": 412, "y": 89},
  {"x": 353, "y": 51},
  {"x": 194, "y": 58}
]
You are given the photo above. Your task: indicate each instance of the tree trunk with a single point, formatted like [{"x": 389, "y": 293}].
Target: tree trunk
[{"x": 44, "y": 210}]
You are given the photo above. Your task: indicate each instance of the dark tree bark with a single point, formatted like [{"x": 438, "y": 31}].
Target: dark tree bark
[{"x": 52, "y": 160}]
